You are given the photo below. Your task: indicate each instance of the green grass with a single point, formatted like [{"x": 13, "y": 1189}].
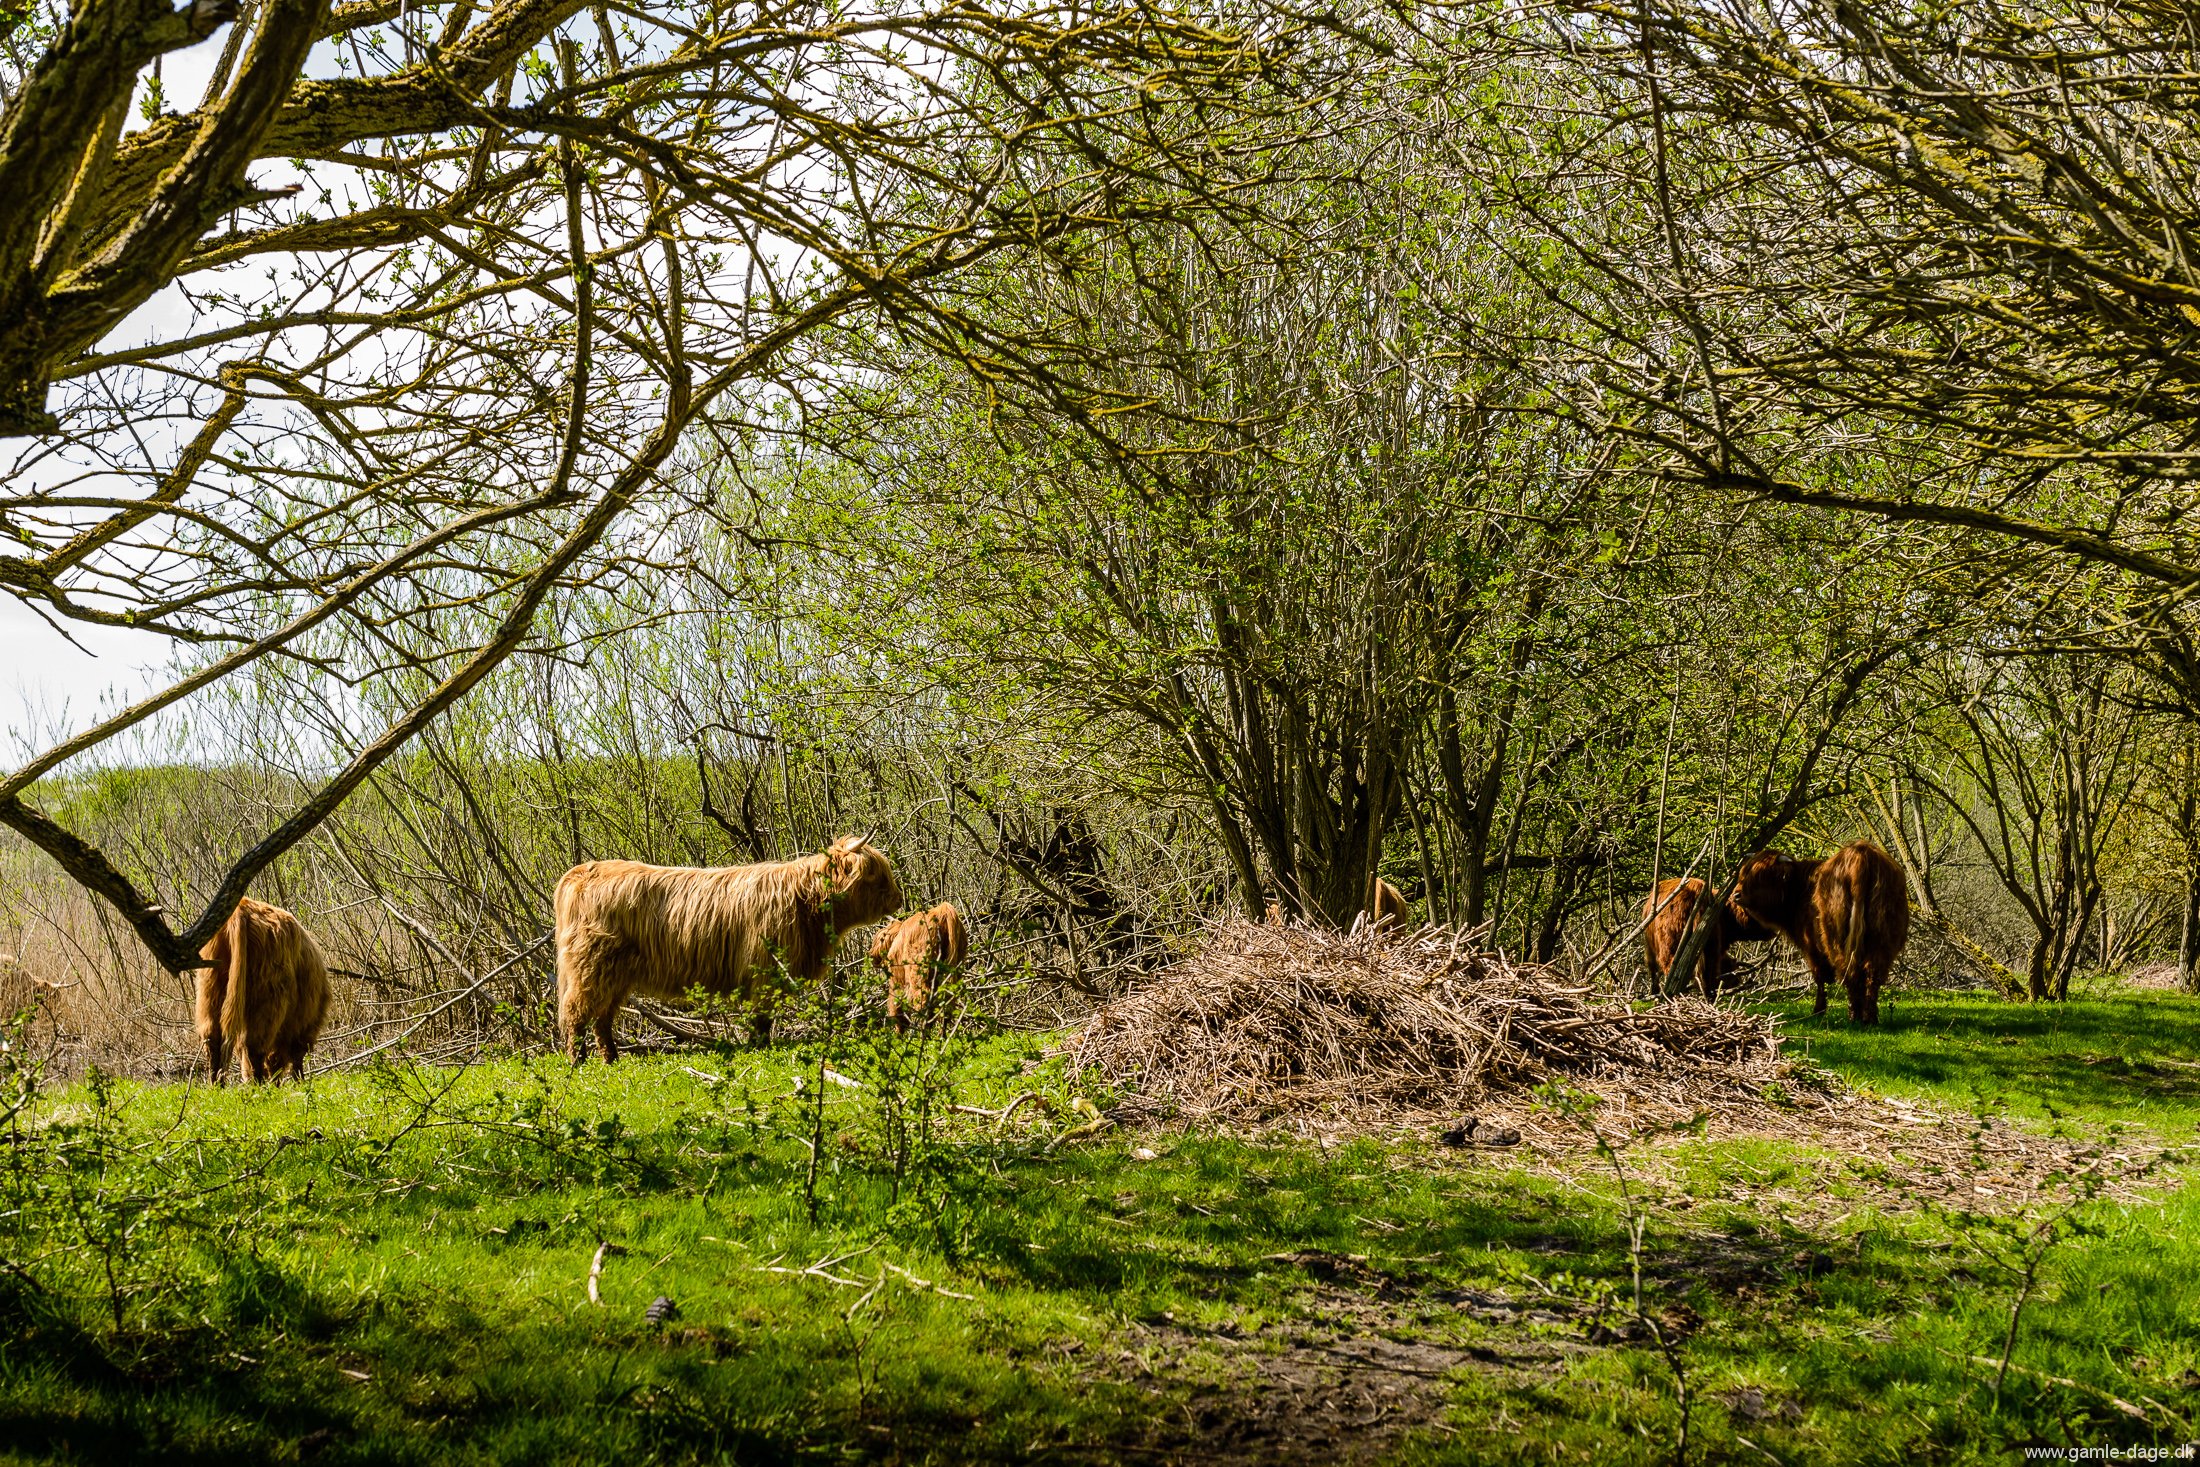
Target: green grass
[
  {"x": 372, "y": 1268},
  {"x": 2131, "y": 1058}
]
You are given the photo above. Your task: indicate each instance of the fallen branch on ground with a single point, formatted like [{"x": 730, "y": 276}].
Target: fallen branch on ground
[{"x": 595, "y": 1270}]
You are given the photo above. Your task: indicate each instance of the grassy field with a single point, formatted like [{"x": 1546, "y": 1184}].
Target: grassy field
[
  {"x": 392, "y": 1265},
  {"x": 2131, "y": 1057}
]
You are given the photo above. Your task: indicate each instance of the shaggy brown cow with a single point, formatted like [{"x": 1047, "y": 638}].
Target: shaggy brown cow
[
  {"x": 1388, "y": 905},
  {"x": 1849, "y": 916},
  {"x": 1669, "y": 914},
  {"x": 625, "y": 928},
  {"x": 915, "y": 954},
  {"x": 265, "y": 996}
]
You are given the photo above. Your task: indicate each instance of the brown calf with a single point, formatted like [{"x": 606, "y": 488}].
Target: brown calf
[
  {"x": 265, "y": 996},
  {"x": 1670, "y": 913},
  {"x": 916, "y": 954}
]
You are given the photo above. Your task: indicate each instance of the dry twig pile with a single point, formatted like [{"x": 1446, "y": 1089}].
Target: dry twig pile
[{"x": 1315, "y": 1029}]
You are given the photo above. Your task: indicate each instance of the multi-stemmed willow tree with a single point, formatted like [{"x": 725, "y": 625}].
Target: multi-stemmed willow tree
[
  {"x": 1363, "y": 598},
  {"x": 1931, "y": 267},
  {"x": 339, "y": 378}
]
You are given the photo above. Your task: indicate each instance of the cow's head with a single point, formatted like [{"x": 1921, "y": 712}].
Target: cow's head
[
  {"x": 860, "y": 885},
  {"x": 882, "y": 944},
  {"x": 1771, "y": 891}
]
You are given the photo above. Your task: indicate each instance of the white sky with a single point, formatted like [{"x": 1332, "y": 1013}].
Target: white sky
[{"x": 46, "y": 684}]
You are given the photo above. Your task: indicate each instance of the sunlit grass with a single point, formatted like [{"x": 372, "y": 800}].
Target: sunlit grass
[
  {"x": 409, "y": 1283},
  {"x": 2130, "y": 1057}
]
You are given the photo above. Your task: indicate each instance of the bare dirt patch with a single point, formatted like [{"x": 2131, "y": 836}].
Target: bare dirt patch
[{"x": 1343, "y": 1385}]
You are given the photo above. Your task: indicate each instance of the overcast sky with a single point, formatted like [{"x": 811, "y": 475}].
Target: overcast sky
[{"x": 45, "y": 683}]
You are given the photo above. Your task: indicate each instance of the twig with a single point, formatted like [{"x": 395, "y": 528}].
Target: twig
[
  {"x": 916, "y": 1282},
  {"x": 1000, "y": 1117},
  {"x": 2136, "y": 1412},
  {"x": 652, "y": 1015},
  {"x": 1079, "y": 1133},
  {"x": 474, "y": 988},
  {"x": 822, "y": 1269},
  {"x": 595, "y": 1270},
  {"x": 1745, "y": 1441}
]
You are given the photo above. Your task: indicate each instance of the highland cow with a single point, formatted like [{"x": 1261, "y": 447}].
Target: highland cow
[
  {"x": 265, "y": 994},
  {"x": 1670, "y": 914},
  {"x": 624, "y": 928},
  {"x": 1849, "y": 916},
  {"x": 915, "y": 954},
  {"x": 1388, "y": 904}
]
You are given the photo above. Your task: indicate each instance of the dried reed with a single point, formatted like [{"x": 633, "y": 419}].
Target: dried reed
[{"x": 1371, "y": 1028}]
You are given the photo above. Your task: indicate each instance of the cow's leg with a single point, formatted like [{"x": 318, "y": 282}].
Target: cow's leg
[
  {"x": 573, "y": 1018},
  {"x": 256, "y": 1058},
  {"x": 216, "y": 1060},
  {"x": 290, "y": 1059},
  {"x": 1821, "y": 973},
  {"x": 760, "y": 1028},
  {"x": 606, "y": 1041}
]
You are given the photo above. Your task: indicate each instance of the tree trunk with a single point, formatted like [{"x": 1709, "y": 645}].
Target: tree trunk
[
  {"x": 2010, "y": 985},
  {"x": 2188, "y": 943}
]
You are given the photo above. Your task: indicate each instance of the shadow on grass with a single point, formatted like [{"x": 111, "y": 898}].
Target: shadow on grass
[
  {"x": 476, "y": 1390},
  {"x": 2126, "y": 1056}
]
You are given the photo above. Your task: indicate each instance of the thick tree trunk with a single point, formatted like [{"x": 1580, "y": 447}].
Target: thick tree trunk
[{"x": 2188, "y": 942}]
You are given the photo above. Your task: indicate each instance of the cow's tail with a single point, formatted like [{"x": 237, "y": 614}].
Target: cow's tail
[
  {"x": 1853, "y": 925},
  {"x": 236, "y": 1007}
]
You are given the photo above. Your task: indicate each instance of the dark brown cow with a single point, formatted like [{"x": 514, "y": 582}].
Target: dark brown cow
[
  {"x": 1669, "y": 915},
  {"x": 1848, "y": 915}
]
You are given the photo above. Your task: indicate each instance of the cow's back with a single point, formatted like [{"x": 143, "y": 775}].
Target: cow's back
[
  {"x": 1862, "y": 906},
  {"x": 717, "y": 928},
  {"x": 1670, "y": 912}
]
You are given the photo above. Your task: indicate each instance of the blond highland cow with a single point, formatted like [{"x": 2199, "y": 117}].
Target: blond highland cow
[
  {"x": 915, "y": 954},
  {"x": 624, "y": 928},
  {"x": 1388, "y": 905},
  {"x": 265, "y": 996}
]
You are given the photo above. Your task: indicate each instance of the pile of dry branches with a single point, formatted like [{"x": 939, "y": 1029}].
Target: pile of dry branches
[{"x": 1304, "y": 1026}]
